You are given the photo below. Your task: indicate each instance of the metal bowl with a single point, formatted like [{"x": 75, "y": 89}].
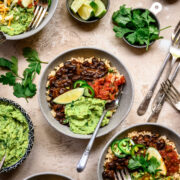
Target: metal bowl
[
  {"x": 31, "y": 135},
  {"x": 48, "y": 176},
  {"x": 126, "y": 101},
  {"x": 156, "y": 24},
  {"x": 27, "y": 34},
  {"x": 78, "y": 18},
  {"x": 155, "y": 128}
]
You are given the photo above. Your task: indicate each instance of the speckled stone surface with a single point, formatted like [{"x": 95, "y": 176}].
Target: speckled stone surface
[{"x": 55, "y": 152}]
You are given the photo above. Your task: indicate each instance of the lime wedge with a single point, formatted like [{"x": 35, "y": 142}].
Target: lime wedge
[
  {"x": 75, "y": 6},
  {"x": 101, "y": 9},
  {"x": 86, "y": 11},
  {"x": 155, "y": 153},
  {"x": 69, "y": 96}
]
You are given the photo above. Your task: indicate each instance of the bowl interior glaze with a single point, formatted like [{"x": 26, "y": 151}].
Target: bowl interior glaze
[{"x": 126, "y": 100}]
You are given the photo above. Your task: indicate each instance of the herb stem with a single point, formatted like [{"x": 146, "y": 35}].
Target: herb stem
[{"x": 164, "y": 28}]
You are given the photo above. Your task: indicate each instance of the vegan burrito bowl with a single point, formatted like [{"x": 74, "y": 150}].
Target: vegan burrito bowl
[
  {"x": 145, "y": 155},
  {"x": 78, "y": 90},
  {"x": 16, "y": 15}
]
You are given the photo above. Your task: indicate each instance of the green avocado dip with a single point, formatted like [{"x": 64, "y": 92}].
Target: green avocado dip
[
  {"x": 83, "y": 115},
  {"x": 21, "y": 18},
  {"x": 14, "y": 132}
]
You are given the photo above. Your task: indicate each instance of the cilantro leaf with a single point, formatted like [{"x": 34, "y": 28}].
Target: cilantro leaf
[
  {"x": 31, "y": 55},
  {"x": 5, "y": 63},
  {"x": 120, "y": 32},
  {"x": 14, "y": 67},
  {"x": 19, "y": 90},
  {"x": 132, "y": 37},
  {"x": 8, "y": 78},
  {"x": 153, "y": 166},
  {"x": 134, "y": 164}
]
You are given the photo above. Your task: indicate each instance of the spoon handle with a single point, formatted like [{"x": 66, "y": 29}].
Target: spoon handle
[{"x": 83, "y": 161}]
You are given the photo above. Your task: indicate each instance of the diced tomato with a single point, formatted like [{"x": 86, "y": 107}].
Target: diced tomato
[{"x": 106, "y": 88}]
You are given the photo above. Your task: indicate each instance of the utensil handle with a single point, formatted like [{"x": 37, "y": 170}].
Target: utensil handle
[
  {"x": 2, "y": 37},
  {"x": 83, "y": 161},
  {"x": 145, "y": 103},
  {"x": 156, "y": 8},
  {"x": 155, "y": 114}
]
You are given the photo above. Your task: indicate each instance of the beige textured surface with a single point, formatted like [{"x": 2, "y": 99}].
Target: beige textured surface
[{"x": 55, "y": 152}]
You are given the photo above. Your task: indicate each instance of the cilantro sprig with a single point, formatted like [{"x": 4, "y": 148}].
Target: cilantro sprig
[
  {"x": 23, "y": 86},
  {"x": 147, "y": 165},
  {"x": 137, "y": 26}
]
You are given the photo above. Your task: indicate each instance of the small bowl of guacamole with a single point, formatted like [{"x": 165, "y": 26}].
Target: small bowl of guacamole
[{"x": 16, "y": 134}]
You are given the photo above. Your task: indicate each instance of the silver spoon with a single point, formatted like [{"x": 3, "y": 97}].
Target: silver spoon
[
  {"x": 2, "y": 161},
  {"x": 109, "y": 106}
]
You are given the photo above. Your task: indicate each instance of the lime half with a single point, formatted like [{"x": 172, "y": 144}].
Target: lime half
[
  {"x": 69, "y": 96},
  {"x": 152, "y": 152},
  {"x": 101, "y": 10},
  {"x": 75, "y": 6}
]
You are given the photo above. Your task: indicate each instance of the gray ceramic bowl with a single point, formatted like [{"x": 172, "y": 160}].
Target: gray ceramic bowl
[
  {"x": 78, "y": 18},
  {"x": 31, "y": 135},
  {"x": 27, "y": 34},
  {"x": 126, "y": 101},
  {"x": 156, "y": 24},
  {"x": 48, "y": 176},
  {"x": 156, "y": 128}
]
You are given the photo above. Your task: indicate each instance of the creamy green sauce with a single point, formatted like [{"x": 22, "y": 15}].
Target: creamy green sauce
[
  {"x": 14, "y": 134},
  {"x": 22, "y": 17},
  {"x": 83, "y": 115}
]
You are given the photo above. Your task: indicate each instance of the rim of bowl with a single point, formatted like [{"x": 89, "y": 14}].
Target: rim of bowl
[
  {"x": 85, "y": 136},
  {"x": 34, "y": 31},
  {"x": 31, "y": 135},
  {"x": 47, "y": 173},
  {"x": 84, "y": 21},
  {"x": 126, "y": 129},
  {"x": 151, "y": 43}
]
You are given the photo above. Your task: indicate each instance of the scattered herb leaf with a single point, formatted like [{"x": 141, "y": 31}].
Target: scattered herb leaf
[{"x": 23, "y": 87}]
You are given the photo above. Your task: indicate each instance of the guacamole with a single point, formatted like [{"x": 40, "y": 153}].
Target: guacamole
[
  {"x": 83, "y": 115},
  {"x": 20, "y": 20},
  {"x": 14, "y": 134}
]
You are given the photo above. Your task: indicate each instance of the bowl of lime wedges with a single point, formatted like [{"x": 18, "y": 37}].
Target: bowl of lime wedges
[{"x": 87, "y": 11}]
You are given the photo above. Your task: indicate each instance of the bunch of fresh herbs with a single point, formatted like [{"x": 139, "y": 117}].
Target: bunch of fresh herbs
[
  {"x": 143, "y": 163},
  {"x": 137, "y": 26},
  {"x": 23, "y": 86}
]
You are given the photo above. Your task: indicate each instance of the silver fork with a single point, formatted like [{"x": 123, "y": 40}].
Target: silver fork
[
  {"x": 109, "y": 106},
  {"x": 123, "y": 175},
  {"x": 145, "y": 103},
  {"x": 172, "y": 94},
  {"x": 39, "y": 13},
  {"x": 156, "y": 111}
]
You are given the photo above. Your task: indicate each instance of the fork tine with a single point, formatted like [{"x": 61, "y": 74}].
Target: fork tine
[
  {"x": 118, "y": 175},
  {"x": 169, "y": 91},
  {"x": 37, "y": 17},
  {"x": 42, "y": 16},
  {"x": 128, "y": 177},
  {"x": 35, "y": 13},
  {"x": 177, "y": 26},
  {"x": 174, "y": 40},
  {"x": 174, "y": 88},
  {"x": 167, "y": 94},
  {"x": 174, "y": 92}
]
